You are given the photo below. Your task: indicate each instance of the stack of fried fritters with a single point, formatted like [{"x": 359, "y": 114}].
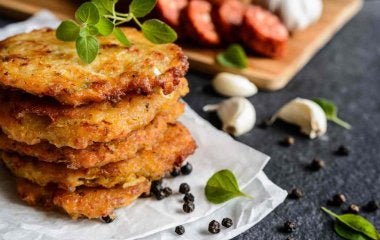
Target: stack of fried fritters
[{"x": 89, "y": 138}]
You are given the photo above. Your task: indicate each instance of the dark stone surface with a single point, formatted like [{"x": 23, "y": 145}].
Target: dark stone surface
[{"x": 346, "y": 71}]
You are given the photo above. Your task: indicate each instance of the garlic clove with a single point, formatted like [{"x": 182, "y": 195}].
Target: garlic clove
[
  {"x": 306, "y": 114},
  {"x": 237, "y": 115},
  {"x": 232, "y": 85}
]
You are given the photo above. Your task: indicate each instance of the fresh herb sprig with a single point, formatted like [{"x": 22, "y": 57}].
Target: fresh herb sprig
[
  {"x": 234, "y": 57},
  {"x": 353, "y": 227},
  {"x": 331, "y": 111},
  {"x": 223, "y": 186},
  {"x": 99, "y": 18}
]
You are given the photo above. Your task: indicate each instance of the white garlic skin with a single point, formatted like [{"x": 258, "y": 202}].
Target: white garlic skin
[
  {"x": 233, "y": 85},
  {"x": 237, "y": 115},
  {"x": 306, "y": 114}
]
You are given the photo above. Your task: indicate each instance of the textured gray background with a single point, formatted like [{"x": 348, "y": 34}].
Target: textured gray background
[{"x": 346, "y": 71}]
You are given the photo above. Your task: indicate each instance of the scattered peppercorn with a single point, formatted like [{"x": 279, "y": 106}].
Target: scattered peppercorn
[
  {"x": 167, "y": 191},
  {"x": 159, "y": 195},
  {"x": 176, "y": 172},
  {"x": 187, "y": 169},
  {"x": 107, "y": 219},
  {"x": 184, "y": 188},
  {"x": 180, "y": 230},
  {"x": 342, "y": 151},
  {"x": 188, "y": 207},
  {"x": 290, "y": 226},
  {"x": 317, "y": 164},
  {"x": 214, "y": 227},
  {"x": 338, "y": 199},
  {"x": 296, "y": 193},
  {"x": 355, "y": 209},
  {"x": 371, "y": 206},
  {"x": 227, "y": 222},
  {"x": 287, "y": 141},
  {"x": 188, "y": 197},
  {"x": 156, "y": 187}
]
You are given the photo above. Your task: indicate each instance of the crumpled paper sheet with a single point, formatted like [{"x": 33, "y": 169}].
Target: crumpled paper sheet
[{"x": 149, "y": 218}]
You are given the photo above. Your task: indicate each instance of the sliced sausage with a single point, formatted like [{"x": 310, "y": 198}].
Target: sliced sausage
[
  {"x": 199, "y": 23},
  {"x": 169, "y": 11},
  {"x": 264, "y": 33},
  {"x": 228, "y": 17}
]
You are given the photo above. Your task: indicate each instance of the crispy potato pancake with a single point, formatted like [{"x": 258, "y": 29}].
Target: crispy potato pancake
[
  {"x": 84, "y": 202},
  {"x": 26, "y": 118},
  {"x": 39, "y": 64},
  {"x": 148, "y": 164},
  {"x": 99, "y": 154}
]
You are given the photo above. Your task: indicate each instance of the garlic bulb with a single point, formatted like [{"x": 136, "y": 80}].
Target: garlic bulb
[
  {"x": 295, "y": 14},
  {"x": 232, "y": 85},
  {"x": 237, "y": 115},
  {"x": 306, "y": 114}
]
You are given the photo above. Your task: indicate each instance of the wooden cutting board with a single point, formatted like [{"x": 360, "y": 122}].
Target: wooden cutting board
[{"x": 267, "y": 74}]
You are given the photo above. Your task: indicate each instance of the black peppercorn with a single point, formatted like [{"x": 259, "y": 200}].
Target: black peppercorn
[
  {"x": 188, "y": 197},
  {"x": 214, "y": 227},
  {"x": 188, "y": 207},
  {"x": 290, "y": 226},
  {"x": 180, "y": 230},
  {"x": 317, "y": 164},
  {"x": 296, "y": 193},
  {"x": 156, "y": 187},
  {"x": 339, "y": 199},
  {"x": 167, "y": 191},
  {"x": 355, "y": 209},
  {"x": 287, "y": 141},
  {"x": 227, "y": 222},
  {"x": 107, "y": 219},
  {"x": 176, "y": 172},
  {"x": 159, "y": 195},
  {"x": 342, "y": 151},
  {"x": 184, "y": 188},
  {"x": 186, "y": 169},
  {"x": 371, "y": 206}
]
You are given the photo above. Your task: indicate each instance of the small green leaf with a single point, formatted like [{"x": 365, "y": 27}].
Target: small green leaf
[
  {"x": 356, "y": 223},
  {"x": 234, "y": 57},
  {"x": 89, "y": 30},
  {"x": 67, "y": 31},
  {"x": 331, "y": 112},
  {"x": 222, "y": 186},
  {"x": 87, "y": 48},
  {"x": 158, "y": 32},
  {"x": 87, "y": 13},
  {"x": 105, "y": 26},
  {"x": 348, "y": 233},
  {"x": 105, "y": 6},
  {"x": 140, "y": 8},
  {"x": 119, "y": 34}
]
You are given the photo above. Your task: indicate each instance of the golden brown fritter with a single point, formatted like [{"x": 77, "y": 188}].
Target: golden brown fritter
[
  {"x": 99, "y": 154},
  {"x": 84, "y": 202},
  {"x": 28, "y": 119},
  {"x": 39, "y": 64},
  {"x": 148, "y": 164}
]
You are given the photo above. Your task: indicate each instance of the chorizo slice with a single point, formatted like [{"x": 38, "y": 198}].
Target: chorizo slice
[
  {"x": 264, "y": 33},
  {"x": 199, "y": 23},
  {"x": 169, "y": 11},
  {"x": 228, "y": 17}
]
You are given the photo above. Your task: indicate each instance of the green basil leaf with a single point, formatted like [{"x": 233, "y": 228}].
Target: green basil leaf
[
  {"x": 105, "y": 26},
  {"x": 87, "y": 48},
  {"x": 67, "y": 31},
  {"x": 222, "y": 186},
  {"x": 234, "y": 57},
  {"x": 140, "y": 8},
  {"x": 331, "y": 111},
  {"x": 105, "y": 6},
  {"x": 119, "y": 34},
  {"x": 158, "y": 32},
  {"x": 357, "y": 223},
  {"x": 87, "y": 13},
  {"x": 347, "y": 233}
]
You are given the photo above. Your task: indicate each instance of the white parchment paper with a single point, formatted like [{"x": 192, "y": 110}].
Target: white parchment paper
[{"x": 148, "y": 218}]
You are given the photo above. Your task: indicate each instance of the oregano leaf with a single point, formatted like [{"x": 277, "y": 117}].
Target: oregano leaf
[
  {"x": 67, "y": 31},
  {"x": 119, "y": 34},
  {"x": 140, "y": 8},
  {"x": 158, "y": 32},
  {"x": 331, "y": 111},
  {"x": 347, "y": 233},
  {"x": 87, "y": 48},
  {"x": 234, "y": 56},
  {"x": 105, "y": 6},
  {"x": 105, "y": 26},
  {"x": 223, "y": 186},
  {"x": 87, "y": 13}
]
